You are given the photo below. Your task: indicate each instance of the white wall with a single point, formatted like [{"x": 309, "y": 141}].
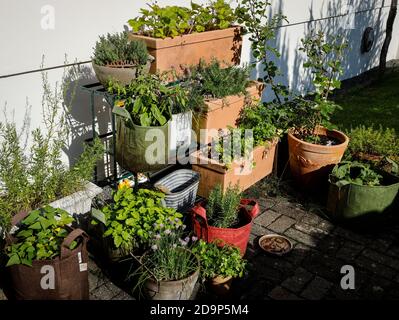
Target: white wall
[{"x": 78, "y": 24}]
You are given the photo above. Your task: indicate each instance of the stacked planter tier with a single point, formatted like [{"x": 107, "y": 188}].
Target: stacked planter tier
[
  {"x": 223, "y": 113},
  {"x": 182, "y": 51},
  {"x": 244, "y": 172}
]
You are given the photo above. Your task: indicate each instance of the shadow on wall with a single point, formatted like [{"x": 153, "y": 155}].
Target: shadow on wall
[
  {"x": 78, "y": 112},
  {"x": 287, "y": 42}
]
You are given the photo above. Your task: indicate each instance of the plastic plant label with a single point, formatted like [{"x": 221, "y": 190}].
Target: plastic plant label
[
  {"x": 82, "y": 267},
  {"x": 99, "y": 215}
]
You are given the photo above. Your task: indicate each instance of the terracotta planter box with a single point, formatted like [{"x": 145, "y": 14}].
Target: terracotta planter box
[
  {"x": 224, "y": 112},
  {"x": 242, "y": 172},
  {"x": 182, "y": 51}
]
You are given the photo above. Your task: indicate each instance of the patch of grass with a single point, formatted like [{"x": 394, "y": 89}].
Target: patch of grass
[{"x": 376, "y": 104}]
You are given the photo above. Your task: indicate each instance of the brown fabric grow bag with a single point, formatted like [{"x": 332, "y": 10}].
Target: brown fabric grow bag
[{"x": 70, "y": 272}]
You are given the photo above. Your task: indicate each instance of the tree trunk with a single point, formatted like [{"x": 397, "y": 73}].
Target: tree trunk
[{"x": 384, "y": 51}]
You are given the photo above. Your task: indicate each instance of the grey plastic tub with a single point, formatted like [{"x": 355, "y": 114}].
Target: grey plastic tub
[{"x": 182, "y": 186}]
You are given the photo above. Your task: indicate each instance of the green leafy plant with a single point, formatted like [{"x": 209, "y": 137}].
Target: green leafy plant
[
  {"x": 370, "y": 141},
  {"x": 133, "y": 218},
  {"x": 117, "y": 49},
  {"x": 262, "y": 119},
  {"x": 212, "y": 81},
  {"x": 253, "y": 15},
  {"x": 224, "y": 261},
  {"x": 172, "y": 21},
  {"x": 324, "y": 60},
  {"x": 355, "y": 172},
  {"x": 35, "y": 176},
  {"x": 39, "y": 237},
  {"x": 222, "y": 208},
  {"x": 149, "y": 100}
]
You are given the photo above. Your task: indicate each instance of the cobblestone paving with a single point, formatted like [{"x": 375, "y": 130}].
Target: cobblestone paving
[{"x": 312, "y": 270}]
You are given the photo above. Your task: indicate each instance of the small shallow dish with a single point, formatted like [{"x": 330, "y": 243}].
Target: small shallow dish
[{"x": 275, "y": 244}]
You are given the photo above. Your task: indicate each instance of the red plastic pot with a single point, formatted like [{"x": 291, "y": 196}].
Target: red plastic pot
[{"x": 235, "y": 236}]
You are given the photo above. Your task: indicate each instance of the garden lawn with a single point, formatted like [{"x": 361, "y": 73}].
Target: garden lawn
[{"x": 376, "y": 104}]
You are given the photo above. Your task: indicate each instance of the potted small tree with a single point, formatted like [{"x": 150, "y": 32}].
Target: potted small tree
[
  {"x": 145, "y": 108},
  {"x": 313, "y": 148},
  {"x": 179, "y": 36},
  {"x": 218, "y": 94},
  {"x": 41, "y": 245},
  {"x": 219, "y": 265},
  {"x": 119, "y": 59},
  {"x": 225, "y": 216},
  {"x": 239, "y": 158},
  {"x": 169, "y": 270}
]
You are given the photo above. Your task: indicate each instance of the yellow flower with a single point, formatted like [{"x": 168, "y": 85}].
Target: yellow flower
[{"x": 125, "y": 183}]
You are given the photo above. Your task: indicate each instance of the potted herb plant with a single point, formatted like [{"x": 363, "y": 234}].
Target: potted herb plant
[
  {"x": 145, "y": 107},
  {"x": 36, "y": 176},
  {"x": 313, "y": 148},
  {"x": 119, "y": 59},
  {"x": 169, "y": 270},
  {"x": 217, "y": 94},
  {"x": 179, "y": 36},
  {"x": 356, "y": 189},
  {"x": 239, "y": 160},
  {"x": 219, "y": 265},
  {"x": 133, "y": 218},
  {"x": 225, "y": 216},
  {"x": 42, "y": 241}
]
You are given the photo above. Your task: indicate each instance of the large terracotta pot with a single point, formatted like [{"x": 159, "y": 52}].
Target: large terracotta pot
[
  {"x": 182, "y": 51},
  {"x": 243, "y": 173},
  {"x": 311, "y": 163},
  {"x": 225, "y": 112}
]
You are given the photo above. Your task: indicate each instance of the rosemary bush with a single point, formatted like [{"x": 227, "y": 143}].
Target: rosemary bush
[
  {"x": 212, "y": 81},
  {"x": 35, "y": 176},
  {"x": 223, "y": 208},
  {"x": 118, "y": 48}
]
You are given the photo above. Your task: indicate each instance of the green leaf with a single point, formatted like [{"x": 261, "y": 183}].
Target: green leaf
[{"x": 14, "y": 259}]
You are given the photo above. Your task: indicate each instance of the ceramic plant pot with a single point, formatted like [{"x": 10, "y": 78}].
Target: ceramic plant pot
[
  {"x": 311, "y": 163},
  {"x": 123, "y": 74}
]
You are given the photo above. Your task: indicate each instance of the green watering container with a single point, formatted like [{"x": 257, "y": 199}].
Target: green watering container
[
  {"x": 352, "y": 200},
  {"x": 136, "y": 147}
]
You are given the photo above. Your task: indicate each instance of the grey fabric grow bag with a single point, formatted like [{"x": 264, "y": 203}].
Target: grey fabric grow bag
[
  {"x": 182, "y": 185},
  {"x": 352, "y": 200}
]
